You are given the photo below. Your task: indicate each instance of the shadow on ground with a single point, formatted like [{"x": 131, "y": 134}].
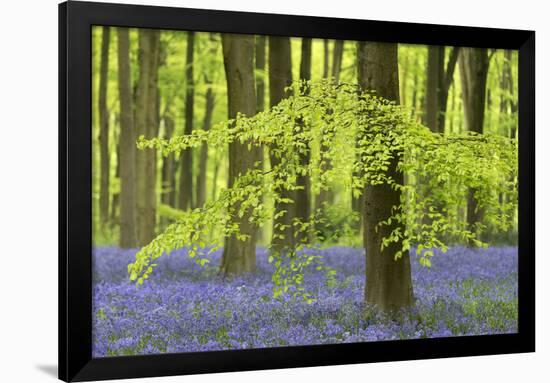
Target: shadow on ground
[{"x": 48, "y": 369}]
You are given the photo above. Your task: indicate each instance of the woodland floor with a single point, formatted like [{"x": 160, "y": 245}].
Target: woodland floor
[{"x": 183, "y": 307}]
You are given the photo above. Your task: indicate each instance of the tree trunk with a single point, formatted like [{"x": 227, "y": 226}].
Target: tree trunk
[
  {"x": 144, "y": 53},
  {"x": 260, "y": 78},
  {"x": 203, "y": 160},
  {"x": 444, "y": 91},
  {"x": 280, "y": 77},
  {"x": 238, "y": 53},
  {"x": 434, "y": 81},
  {"x": 146, "y": 125},
  {"x": 474, "y": 66},
  {"x": 388, "y": 280},
  {"x": 168, "y": 183},
  {"x": 207, "y": 122},
  {"x": 325, "y": 58},
  {"x": 104, "y": 129},
  {"x": 337, "y": 54},
  {"x": 152, "y": 130},
  {"x": 186, "y": 159},
  {"x": 128, "y": 227},
  {"x": 115, "y": 198},
  {"x": 302, "y": 195}
]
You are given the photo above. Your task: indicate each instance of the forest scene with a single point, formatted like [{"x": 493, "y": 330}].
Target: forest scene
[{"x": 268, "y": 191}]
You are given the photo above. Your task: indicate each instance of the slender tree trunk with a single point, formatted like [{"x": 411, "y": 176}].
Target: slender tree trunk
[
  {"x": 168, "y": 183},
  {"x": 434, "y": 81},
  {"x": 414, "y": 100},
  {"x": 142, "y": 98},
  {"x": 115, "y": 198},
  {"x": 337, "y": 54},
  {"x": 474, "y": 66},
  {"x": 453, "y": 103},
  {"x": 238, "y": 53},
  {"x": 152, "y": 130},
  {"x": 280, "y": 77},
  {"x": 303, "y": 203},
  {"x": 261, "y": 42},
  {"x": 512, "y": 101},
  {"x": 203, "y": 160},
  {"x": 445, "y": 86},
  {"x": 388, "y": 280},
  {"x": 104, "y": 129},
  {"x": 128, "y": 232},
  {"x": 215, "y": 178},
  {"x": 326, "y": 196},
  {"x": 186, "y": 159},
  {"x": 207, "y": 122},
  {"x": 260, "y": 67},
  {"x": 325, "y": 58}
]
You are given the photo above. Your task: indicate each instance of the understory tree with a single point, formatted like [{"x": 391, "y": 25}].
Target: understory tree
[{"x": 390, "y": 144}]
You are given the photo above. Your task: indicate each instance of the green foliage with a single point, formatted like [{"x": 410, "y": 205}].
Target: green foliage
[{"x": 365, "y": 136}]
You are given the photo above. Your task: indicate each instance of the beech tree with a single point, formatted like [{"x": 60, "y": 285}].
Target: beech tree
[
  {"x": 388, "y": 282},
  {"x": 474, "y": 66},
  {"x": 303, "y": 182},
  {"x": 104, "y": 128},
  {"x": 128, "y": 224},
  {"x": 239, "y": 252},
  {"x": 209, "y": 97},
  {"x": 186, "y": 159},
  {"x": 280, "y": 78}
]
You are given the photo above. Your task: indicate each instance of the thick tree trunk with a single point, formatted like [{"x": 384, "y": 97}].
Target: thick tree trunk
[
  {"x": 388, "y": 280},
  {"x": 146, "y": 125},
  {"x": 238, "y": 53},
  {"x": 474, "y": 66},
  {"x": 128, "y": 227},
  {"x": 186, "y": 159},
  {"x": 280, "y": 77},
  {"x": 303, "y": 209},
  {"x": 104, "y": 129}
]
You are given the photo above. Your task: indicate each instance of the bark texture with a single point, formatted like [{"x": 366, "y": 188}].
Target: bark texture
[
  {"x": 280, "y": 77},
  {"x": 388, "y": 280},
  {"x": 146, "y": 120},
  {"x": 474, "y": 66},
  {"x": 203, "y": 160},
  {"x": 168, "y": 196},
  {"x": 186, "y": 159},
  {"x": 238, "y": 54},
  {"x": 128, "y": 232},
  {"x": 303, "y": 203},
  {"x": 104, "y": 129},
  {"x": 260, "y": 68},
  {"x": 337, "y": 55}
]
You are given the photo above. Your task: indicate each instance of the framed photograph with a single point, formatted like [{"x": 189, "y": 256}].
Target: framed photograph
[{"x": 246, "y": 191}]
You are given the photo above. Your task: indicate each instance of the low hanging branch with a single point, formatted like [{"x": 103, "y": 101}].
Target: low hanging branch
[{"x": 452, "y": 164}]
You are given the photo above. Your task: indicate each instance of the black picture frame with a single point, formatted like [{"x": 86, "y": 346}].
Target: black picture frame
[{"x": 75, "y": 232}]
